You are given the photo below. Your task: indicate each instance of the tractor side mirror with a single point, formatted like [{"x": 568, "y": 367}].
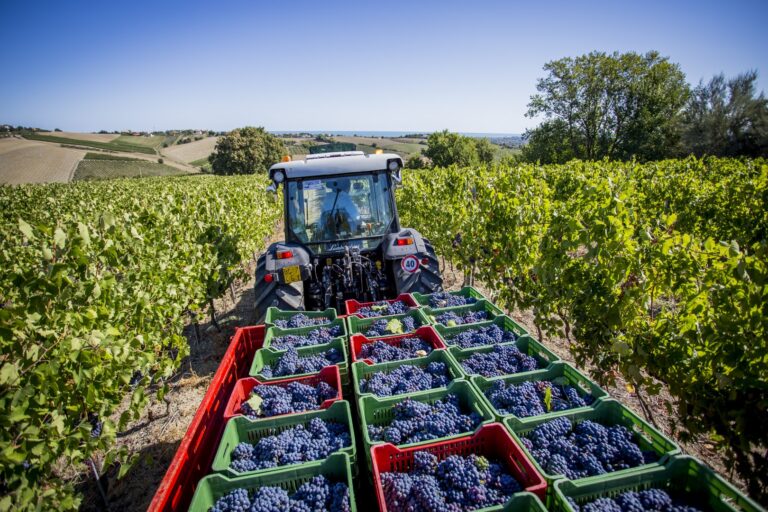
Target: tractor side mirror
[{"x": 397, "y": 177}]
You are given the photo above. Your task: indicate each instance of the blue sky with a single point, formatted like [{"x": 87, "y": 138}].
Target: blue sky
[{"x": 332, "y": 65}]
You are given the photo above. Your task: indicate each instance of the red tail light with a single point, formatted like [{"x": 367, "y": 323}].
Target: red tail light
[
  {"x": 268, "y": 278},
  {"x": 425, "y": 261},
  {"x": 404, "y": 241},
  {"x": 284, "y": 255}
]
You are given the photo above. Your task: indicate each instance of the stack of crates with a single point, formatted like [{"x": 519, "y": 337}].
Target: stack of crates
[
  {"x": 499, "y": 436},
  {"x": 340, "y": 466}
]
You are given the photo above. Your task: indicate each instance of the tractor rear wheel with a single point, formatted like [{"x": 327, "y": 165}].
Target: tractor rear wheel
[
  {"x": 426, "y": 280},
  {"x": 288, "y": 297}
]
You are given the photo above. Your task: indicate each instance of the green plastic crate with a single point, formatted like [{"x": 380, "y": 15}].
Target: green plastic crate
[
  {"x": 241, "y": 429},
  {"x": 278, "y": 314},
  {"x": 268, "y": 356},
  {"x": 525, "y": 344},
  {"x": 360, "y": 325},
  {"x": 523, "y": 502},
  {"x": 481, "y": 305},
  {"x": 379, "y": 411},
  {"x": 361, "y": 370},
  {"x": 567, "y": 373},
  {"x": 423, "y": 299},
  {"x": 607, "y": 412},
  {"x": 504, "y": 322},
  {"x": 336, "y": 468},
  {"x": 681, "y": 475},
  {"x": 277, "y": 332}
]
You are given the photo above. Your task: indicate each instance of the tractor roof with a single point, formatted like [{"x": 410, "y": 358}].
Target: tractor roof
[{"x": 329, "y": 164}]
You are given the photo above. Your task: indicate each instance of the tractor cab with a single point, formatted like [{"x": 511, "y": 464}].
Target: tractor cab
[{"x": 343, "y": 238}]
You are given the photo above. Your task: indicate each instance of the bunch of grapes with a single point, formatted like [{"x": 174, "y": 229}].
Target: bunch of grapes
[
  {"x": 475, "y": 337},
  {"x": 449, "y": 300},
  {"x": 585, "y": 449},
  {"x": 297, "y": 444},
  {"x": 407, "y": 348},
  {"x": 452, "y": 318},
  {"x": 96, "y": 425},
  {"x": 533, "y": 398},
  {"x": 383, "y": 308},
  {"x": 406, "y": 379},
  {"x": 314, "y": 337},
  {"x": 503, "y": 360},
  {"x": 387, "y": 326},
  {"x": 454, "y": 484},
  {"x": 290, "y": 363},
  {"x": 416, "y": 422},
  {"x": 294, "y": 397},
  {"x": 636, "y": 501},
  {"x": 301, "y": 320},
  {"x": 318, "y": 493}
]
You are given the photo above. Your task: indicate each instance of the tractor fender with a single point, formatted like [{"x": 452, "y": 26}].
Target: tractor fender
[
  {"x": 392, "y": 251},
  {"x": 300, "y": 257}
]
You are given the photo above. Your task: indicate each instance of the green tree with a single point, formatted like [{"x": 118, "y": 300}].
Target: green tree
[
  {"x": 485, "y": 151},
  {"x": 246, "y": 151},
  {"x": 620, "y": 106},
  {"x": 446, "y": 148},
  {"x": 726, "y": 118},
  {"x": 415, "y": 162}
]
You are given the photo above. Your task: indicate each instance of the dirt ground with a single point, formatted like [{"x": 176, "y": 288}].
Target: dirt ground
[
  {"x": 156, "y": 440},
  {"x": 192, "y": 150},
  {"x": 26, "y": 161}
]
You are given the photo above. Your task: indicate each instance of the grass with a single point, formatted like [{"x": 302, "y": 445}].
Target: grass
[
  {"x": 388, "y": 145},
  {"x": 144, "y": 142},
  {"x": 122, "y": 143},
  {"x": 99, "y": 169},
  {"x": 108, "y": 156},
  {"x": 203, "y": 163}
]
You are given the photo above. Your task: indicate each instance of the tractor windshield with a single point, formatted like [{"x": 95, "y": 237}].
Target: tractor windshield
[{"x": 336, "y": 208}]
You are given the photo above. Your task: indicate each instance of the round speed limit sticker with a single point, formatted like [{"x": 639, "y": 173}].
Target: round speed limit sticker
[{"x": 410, "y": 264}]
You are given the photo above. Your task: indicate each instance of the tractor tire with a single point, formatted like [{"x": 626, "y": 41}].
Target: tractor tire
[
  {"x": 288, "y": 297},
  {"x": 426, "y": 280}
]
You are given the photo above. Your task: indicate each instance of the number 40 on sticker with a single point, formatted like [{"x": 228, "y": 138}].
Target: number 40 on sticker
[{"x": 410, "y": 264}]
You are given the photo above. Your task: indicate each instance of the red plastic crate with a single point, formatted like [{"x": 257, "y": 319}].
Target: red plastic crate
[
  {"x": 426, "y": 332},
  {"x": 492, "y": 441},
  {"x": 198, "y": 447},
  {"x": 243, "y": 388},
  {"x": 353, "y": 306}
]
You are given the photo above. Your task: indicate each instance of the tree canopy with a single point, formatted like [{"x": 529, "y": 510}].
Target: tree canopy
[
  {"x": 246, "y": 151},
  {"x": 447, "y": 148},
  {"x": 619, "y": 106},
  {"x": 726, "y": 118}
]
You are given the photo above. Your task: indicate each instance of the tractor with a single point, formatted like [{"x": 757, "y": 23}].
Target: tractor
[{"x": 343, "y": 238}]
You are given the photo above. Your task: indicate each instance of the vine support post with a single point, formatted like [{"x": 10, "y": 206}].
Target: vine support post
[{"x": 97, "y": 479}]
